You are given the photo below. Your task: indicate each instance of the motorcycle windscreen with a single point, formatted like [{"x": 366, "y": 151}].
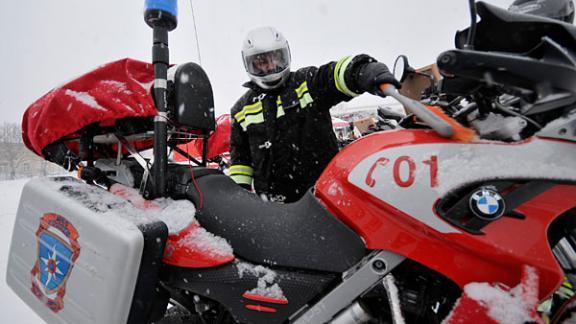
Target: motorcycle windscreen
[{"x": 505, "y": 31}]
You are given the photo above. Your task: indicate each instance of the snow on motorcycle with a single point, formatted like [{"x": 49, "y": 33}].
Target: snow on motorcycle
[{"x": 405, "y": 225}]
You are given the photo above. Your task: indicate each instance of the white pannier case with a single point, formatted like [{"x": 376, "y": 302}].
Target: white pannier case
[{"x": 79, "y": 254}]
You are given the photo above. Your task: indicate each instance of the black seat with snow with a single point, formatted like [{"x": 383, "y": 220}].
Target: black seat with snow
[{"x": 302, "y": 234}]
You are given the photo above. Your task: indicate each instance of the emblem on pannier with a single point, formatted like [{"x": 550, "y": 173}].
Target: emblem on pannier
[{"x": 58, "y": 250}]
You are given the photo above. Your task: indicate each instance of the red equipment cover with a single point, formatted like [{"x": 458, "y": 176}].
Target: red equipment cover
[
  {"x": 111, "y": 92},
  {"x": 218, "y": 143}
]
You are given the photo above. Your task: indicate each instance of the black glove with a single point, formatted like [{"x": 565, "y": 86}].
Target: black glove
[{"x": 372, "y": 75}]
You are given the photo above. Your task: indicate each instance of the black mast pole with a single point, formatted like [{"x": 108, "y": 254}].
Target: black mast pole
[{"x": 161, "y": 16}]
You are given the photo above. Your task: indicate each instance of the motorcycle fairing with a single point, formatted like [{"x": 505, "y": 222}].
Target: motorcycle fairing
[
  {"x": 190, "y": 256},
  {"x": 230, "y": 286},
  {"x": 484, "y": 161},
  {"x": 395, "y": 211}
]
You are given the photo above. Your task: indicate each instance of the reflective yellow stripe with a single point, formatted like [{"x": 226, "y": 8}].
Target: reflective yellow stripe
[
  {"x": 303, "y": 95},
  {"x": 241, "y": 169},
  {"x": 252, "y": 119},
  {"x": 280, "y": 109},
  {"x": 252, "y": 106},
  {"x": 305, "y": 100},
  {"x": 301, "y": 89},
  {"x": 240, "y": 166},
  {"x": 565, "y": 292},
  {"x": 339, "y": 72},
  {"x": 240, "y": 173},
  {"x": 248, "y": 112},
  {"x": 242, "y": 179},
  {"x": 280, "y": 112},
  {"x": 249, "y": 109},
  {"x": 545, "y": 306}
]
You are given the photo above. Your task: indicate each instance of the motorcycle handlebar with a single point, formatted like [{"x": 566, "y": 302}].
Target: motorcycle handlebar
[{"x": 441, "y": 127}]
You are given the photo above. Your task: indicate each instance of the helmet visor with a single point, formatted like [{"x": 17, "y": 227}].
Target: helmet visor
[{"x": 262, "y": 64}]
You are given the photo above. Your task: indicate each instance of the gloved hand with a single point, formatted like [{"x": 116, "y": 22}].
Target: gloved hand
[{"x": 372, "y": 75}]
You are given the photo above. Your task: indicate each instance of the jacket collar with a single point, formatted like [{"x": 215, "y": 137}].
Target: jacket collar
[{"x": 253, "y": 86}]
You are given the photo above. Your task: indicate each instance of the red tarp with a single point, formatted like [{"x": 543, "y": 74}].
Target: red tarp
[
  {"x": 113, "y": 91},
  {"x": 218, "y": 143}
]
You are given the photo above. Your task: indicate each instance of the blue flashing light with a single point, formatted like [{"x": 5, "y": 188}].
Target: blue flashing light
[{"x": 169, "y": 6}]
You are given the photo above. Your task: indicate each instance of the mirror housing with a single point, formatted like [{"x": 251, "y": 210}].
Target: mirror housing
[
  {"x": 402, "y": 68},
  {"x": 192, "y": 98},
  {"x": 415, "y": 82}
]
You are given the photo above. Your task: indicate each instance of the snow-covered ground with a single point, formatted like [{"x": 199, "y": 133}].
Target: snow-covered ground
[{"x": 12, "y": 309}]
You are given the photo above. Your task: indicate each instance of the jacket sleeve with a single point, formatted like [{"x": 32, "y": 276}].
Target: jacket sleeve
[
  {"x": 241, "y": 170},
  {"x": 335, "y": 82}
]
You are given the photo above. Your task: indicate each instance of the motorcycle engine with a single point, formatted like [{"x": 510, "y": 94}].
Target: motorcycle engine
[{"x": 425, "y": 296}]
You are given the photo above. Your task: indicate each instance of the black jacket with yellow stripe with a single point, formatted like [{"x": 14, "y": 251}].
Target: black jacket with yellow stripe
[{"x": 282, "y": 139}]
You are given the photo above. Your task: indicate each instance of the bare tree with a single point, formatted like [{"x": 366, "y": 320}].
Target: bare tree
[
  {"x": 10, "y": 133},
  {"x": 11, "y": 148}
]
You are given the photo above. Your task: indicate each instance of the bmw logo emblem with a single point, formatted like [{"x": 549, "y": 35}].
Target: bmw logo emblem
[{"x": 487, "y": 204}]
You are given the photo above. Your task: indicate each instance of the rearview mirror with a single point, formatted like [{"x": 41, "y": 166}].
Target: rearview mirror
[{"x": 401, "y": 68}]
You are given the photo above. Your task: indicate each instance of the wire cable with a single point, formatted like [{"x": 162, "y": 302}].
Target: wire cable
[
  {"x": 200, "y": 194},
  {"x": 196, "y": 34},
  {"x": 505, "y": 109}
]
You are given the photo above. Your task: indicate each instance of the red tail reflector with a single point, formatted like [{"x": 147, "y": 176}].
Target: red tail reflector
[
  {"x": 265, "y": 299},
  {"x": 260, "y": 308}
]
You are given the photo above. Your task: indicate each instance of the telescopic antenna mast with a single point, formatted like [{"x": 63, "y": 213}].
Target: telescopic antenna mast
[{"x": 161, "y": 16}]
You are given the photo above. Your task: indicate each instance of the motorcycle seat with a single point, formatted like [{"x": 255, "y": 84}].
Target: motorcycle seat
[{"x": 300, "y": 235}]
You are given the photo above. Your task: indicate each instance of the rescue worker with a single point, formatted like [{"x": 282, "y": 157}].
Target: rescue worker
[{"x": 282, "y": 137}]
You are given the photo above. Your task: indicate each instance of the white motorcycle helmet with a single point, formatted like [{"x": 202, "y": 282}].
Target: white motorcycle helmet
[{"x": 266, "y": 57}]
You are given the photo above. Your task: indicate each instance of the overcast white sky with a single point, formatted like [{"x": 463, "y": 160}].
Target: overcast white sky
[{"x": 46, "y": 43}]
